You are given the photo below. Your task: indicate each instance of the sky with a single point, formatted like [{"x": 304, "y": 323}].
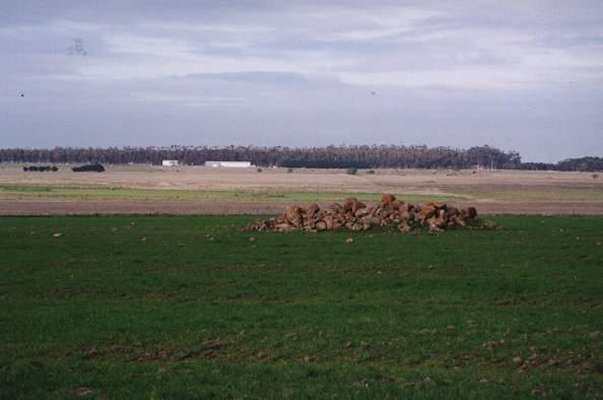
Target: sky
[{"x": 523, "y": 75}]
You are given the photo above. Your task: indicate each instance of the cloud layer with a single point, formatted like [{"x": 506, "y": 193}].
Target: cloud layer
[{"x": 526, "y": 76}]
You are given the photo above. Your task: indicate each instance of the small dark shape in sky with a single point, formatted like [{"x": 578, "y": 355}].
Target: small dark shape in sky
[
  {"x": 77, "y": 49},
  {"x": 22, "y": 95}
]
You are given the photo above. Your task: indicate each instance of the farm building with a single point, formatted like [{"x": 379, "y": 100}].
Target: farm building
[
  {"x": 169, "y": 163},
  {"x": 228, "y": 164}
]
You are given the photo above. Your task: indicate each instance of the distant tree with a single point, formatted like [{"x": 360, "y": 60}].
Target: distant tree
[
  {"x": 537, "y": 166},
  {"x": 360, "y": 157},
  {"x": 585, "y": 164}
]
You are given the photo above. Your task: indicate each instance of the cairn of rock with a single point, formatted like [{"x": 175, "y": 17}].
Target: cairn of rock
[{"x": 354, "y": 215}]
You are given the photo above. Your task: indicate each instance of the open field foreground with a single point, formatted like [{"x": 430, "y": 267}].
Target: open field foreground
[
  {"x": 200, "y": 190},
  {"x": 127, "y": 307}
]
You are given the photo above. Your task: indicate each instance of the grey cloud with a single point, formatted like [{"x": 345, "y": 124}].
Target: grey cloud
[
  {"x": 255, "y": 76},
  {"x": 523, "y": 76},
  {"x": 562, "y": 41}
]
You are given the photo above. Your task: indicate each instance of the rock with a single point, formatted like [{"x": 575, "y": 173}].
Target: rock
[
  {"x": 320, "y": 225},
  {"x": 428, "y": 381},
  {"x": 355, "y": 216},
  {"x": 293, "y": 215},
  {"x": 490, "y": 225},
  {"x": 82, "y": 391},
  {"x": 330, "y": 222},
  {"x": 361, "y": 212},
  {"x": 312, "y": 210},
  {"x": 388, "y": 198},
  {"x": 351, "y": 204},
  {"x": 469, "y": 213},
  {"x": 348, "y": 204},
  {"x": 404, "y": 227},
  {"x": 426, "y": 211}
]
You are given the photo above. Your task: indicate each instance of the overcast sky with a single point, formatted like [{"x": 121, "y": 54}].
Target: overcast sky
[{"x": 519, "y": 75}]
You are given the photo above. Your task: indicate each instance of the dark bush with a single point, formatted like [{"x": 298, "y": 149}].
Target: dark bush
[
  {"x": 89, "y": 168},
  {"x": 352, "y": 171},
  {"x": 40, "y": 168}
]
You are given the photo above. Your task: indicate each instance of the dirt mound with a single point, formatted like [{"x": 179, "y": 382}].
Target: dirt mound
[{"x": 354, "y": 215}]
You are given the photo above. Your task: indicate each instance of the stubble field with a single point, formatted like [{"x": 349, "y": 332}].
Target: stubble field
[{"x": 200, "y": 190}]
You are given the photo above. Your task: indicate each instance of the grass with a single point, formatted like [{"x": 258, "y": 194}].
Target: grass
[
  {"x": 119, "y": 193},
  {"x": 537, "y": 194},
  {"x": 189, "y": 307}
]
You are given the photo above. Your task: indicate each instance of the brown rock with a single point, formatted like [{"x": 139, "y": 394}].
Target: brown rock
[
  {"x": 398, "y": 205},
  {"x": 348, "y": 203},
  {"x": 388, "y": 198},
  {"x": 330, "y": 222},
  {"x": 283, "y": 227},
  {"x": 404, "y": 227},
  {"x": 426, "y": 210},
  {"x": 355, "y": 216},
  {"x": 320, "y": 225},
  {"x": 406, "y": 215},
  {"x": 351, "y": 204},
  {"x": 312, "y": 210},
  {"x": 439, "y": 205},
  {"x": 469, "y": 213},
  {"x": 293, "y": 215},
  {"x": 361, "y": 212},
  {"x": 436, "y": 224}
]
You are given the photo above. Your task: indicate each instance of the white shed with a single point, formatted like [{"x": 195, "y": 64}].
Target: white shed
[
  {"x": 228, "y": 164},
  {"x": 169, "y": 163}
]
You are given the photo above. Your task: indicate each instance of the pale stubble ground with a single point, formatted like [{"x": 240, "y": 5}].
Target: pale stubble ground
[{"x": 492, "y": 192}]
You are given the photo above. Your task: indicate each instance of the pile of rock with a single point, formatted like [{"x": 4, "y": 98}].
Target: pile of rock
[{"x": 354, "y": 215}]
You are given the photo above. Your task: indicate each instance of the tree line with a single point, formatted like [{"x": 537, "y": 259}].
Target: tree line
[{"x": 384, "y": 156}]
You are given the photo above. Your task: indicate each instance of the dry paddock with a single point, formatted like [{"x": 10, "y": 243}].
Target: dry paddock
[{"x": 492, "y": 192}]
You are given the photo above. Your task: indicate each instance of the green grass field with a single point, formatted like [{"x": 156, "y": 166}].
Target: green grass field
[{"x": 189, "y": 307}]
